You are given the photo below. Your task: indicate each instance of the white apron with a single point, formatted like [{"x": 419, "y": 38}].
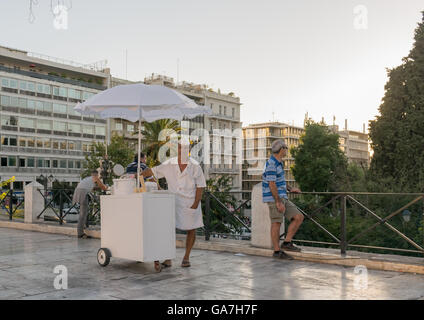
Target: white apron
[{"x": 185, "y": 217}]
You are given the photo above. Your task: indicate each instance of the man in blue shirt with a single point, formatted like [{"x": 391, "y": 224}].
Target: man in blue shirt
[{"x": 274, "y": 193}]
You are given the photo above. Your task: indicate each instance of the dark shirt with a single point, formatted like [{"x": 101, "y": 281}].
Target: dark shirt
[{"x": 132, "y": 167}]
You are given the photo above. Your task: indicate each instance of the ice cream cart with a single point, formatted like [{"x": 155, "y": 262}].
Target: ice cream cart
[{"x": 137, "y": 226}]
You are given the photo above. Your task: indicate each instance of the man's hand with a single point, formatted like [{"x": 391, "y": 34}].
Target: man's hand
[
  {"x": 295, "y": 190},
  {"x": 280, "y": 206},
  {"x": 195, "y": 205}
]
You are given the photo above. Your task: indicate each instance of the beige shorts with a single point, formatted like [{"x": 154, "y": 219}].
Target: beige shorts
[{"x": 277, "y": 216}]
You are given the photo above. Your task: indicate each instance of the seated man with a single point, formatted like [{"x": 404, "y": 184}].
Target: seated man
[{"x": 132, "y": 167}]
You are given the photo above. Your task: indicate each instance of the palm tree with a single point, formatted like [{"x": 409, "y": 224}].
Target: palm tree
[{"x": 151, "y": 137}]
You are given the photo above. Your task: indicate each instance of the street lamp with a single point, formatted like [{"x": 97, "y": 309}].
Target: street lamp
[{"x": 406, "y": 214}]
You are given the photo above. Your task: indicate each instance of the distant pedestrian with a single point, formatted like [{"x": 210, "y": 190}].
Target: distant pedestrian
[
  {"x": 274, "y": 193},
  {"x": 81, "y": 192}
]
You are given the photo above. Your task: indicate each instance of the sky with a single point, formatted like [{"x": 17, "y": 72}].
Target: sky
[{"x": 282, "y": 58}]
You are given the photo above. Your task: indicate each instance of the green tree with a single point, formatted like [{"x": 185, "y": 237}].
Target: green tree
[
  {"x": 320, "y": 165},
  {"x": 152, "y": 137},
  {"x": 397, "y": 134},
  {"x": 119, "y": 152}
]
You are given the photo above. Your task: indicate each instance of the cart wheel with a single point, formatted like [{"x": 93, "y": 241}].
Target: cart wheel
[{"x": 103, "y": 257}]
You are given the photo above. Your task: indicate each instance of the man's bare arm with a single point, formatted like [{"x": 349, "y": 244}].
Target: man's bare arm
[{"x": 199, "y": 193}]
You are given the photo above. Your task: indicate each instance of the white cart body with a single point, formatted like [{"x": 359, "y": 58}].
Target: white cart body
[{"x": 139, "y": 226}]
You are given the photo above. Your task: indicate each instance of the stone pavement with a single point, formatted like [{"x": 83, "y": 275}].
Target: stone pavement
[{"x": 27, "y": 260}]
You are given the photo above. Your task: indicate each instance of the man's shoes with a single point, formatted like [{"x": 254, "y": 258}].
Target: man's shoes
[
  {"x": 84, "y": 236},
  {"x": 289, "y": 246},
  {"x": 282, "y": 255}
]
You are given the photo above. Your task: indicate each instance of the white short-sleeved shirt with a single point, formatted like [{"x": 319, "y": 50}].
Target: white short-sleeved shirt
[{"x": 181, "y": 183}]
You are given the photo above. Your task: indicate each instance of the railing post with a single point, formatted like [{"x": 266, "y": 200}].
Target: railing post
[
  {"x": 10, "y": 204},
  {"x": 207, "y": 216},
  {"x": 343, "y": 244},
  {"x": 60, "y": 207}
]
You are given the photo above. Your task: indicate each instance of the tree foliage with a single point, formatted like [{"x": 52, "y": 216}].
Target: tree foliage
[
  {"x": 397, "y": 134},
  {"x": 152, "y": 133},
  {"x": 119, "y": 152},
  {"x": 320, "y": 165}
]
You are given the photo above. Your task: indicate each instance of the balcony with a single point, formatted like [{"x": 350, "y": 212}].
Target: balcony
[{"x": 53, "y": 78}]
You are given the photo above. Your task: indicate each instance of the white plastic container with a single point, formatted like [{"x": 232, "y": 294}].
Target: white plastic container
[{"x": 122, "y": 187}]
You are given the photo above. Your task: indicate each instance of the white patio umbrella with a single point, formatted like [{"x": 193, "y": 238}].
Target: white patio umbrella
[{"x": 141, "y": 102}]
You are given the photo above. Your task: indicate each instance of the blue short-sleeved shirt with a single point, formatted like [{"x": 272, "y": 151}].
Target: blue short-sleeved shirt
[{"x": 273, "y": 171}]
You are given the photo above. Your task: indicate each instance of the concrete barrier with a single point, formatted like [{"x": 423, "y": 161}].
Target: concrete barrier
[
  {"x": 34, "y": 202},
  {"x": 261, "y": 222}
]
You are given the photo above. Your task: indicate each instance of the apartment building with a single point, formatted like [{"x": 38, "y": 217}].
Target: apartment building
[
  {"x": 354, "y": 144},
  {"x": 223, "y": 125},
  {"x": 40, "y": 133},
  {"x": 257, "y": 141}
]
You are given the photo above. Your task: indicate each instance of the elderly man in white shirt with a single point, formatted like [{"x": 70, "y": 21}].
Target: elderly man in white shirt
[{"x": 186, "y": 180}]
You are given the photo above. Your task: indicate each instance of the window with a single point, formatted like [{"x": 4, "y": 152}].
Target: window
[
  {"x": 22, "y": 103},
  {"x": 5, "y": 101},
  {"x": 44, "y": 124},
  {"x": 88, "y": 129},
  {"x": 46, "y": 143},
  {"x": 87, "y": 95},
  {"x": 71, "y": 145},
  {"x": 59, "y": 108},
  {"x": 101, "y": 131},
  {"x": 74, "y": 94},
  {"x": 59, "y": 126},
  {"x": 11, "y": 161},
  {"x": 232, "y": 112},
  {"x": 9, "y": 121},
  {"x": 71, "y": 111},
  {"x": 22, "y": 142},
  {"x": 220, "y": 109},
  {"x": 63, "y": 92},
  {"x": 70, "y": 164},
  {"x": 14, "y": 101},
  {"x": 62, "y": 145},
  {"x": 62, "y": 164},
  {"x": 22, "y": 162},
  {"x": 3, "y": 161},
  {"x": 39, "y": 143},
  {"x": 9, "y": 83},
  {"x": 55, "y": 144},
  {"x": 40, "y": 163},
  {"x": 130, "y": 128},
  {"x": 73, "y": 127},
  {"x": 77, "y": 164},
  {"x": 27, "y": 123},
  {"x": 30, "y": 162},
  {"x": 27, "y": 86},
  {"x": 225, "y": 110},
  {"x": 55, "y": 163},
  {"x": 30, "y": 142},
  {"x": 118, "y": 126}
]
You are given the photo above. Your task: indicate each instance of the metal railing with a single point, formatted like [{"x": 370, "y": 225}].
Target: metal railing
[
  {"x": 10, "y": 202},
  {"x": 348, "y": 203},
  {"x": 223, "y": 216},
  {"x": 59, "y": 201}
]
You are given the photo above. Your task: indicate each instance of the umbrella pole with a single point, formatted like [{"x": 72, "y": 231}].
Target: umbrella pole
[{"x": 139, "y": 151}]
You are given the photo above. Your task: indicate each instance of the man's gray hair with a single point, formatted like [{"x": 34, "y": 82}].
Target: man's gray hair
[{"x": 277, "y": 145}]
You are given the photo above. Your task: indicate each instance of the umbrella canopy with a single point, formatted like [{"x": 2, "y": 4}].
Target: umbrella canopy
[{"x": 141, "y": 102}]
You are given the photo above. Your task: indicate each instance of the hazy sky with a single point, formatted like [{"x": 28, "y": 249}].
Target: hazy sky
[{"x": 286, "y": 57}]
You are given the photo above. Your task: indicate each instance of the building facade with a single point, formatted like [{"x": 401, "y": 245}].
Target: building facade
[
  {"x": 354, "y": 144},
  {"x": 40, "y": 133},
  {"x": 257, "y": 141}
]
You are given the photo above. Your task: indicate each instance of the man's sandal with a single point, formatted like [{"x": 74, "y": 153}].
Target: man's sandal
[
  {"x": 185, "y": 264},
  {"x": 158, "y": 266}
]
